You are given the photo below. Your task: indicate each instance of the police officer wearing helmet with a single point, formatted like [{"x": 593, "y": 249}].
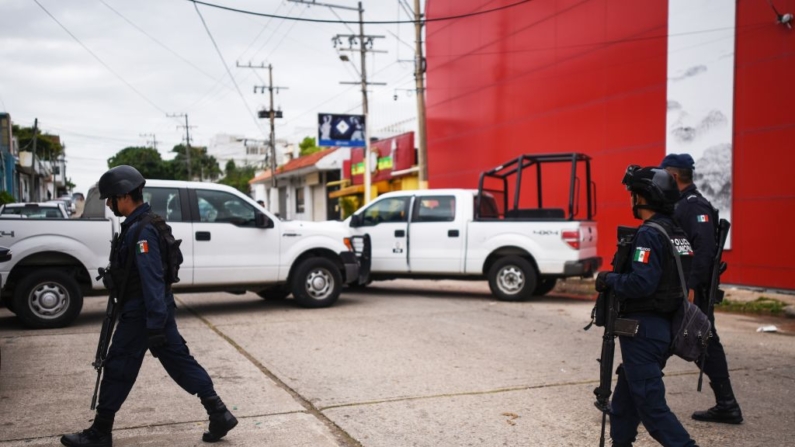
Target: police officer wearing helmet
[
  {"x": 147, "y": 318},
  {"x": 649, "y": 291},
  {"x": 699, "y": 219}
]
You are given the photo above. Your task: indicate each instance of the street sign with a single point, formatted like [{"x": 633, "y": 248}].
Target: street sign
[{"x": 340, "y": 130}]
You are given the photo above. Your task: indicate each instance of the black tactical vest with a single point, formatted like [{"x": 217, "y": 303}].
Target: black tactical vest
[
  {"x": 171, "y": 256},
  {"x": 668, "y": 296}
]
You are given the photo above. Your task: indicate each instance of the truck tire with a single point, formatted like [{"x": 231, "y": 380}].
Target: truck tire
[
  {"x": 544, "y": 286},
  {"x": 47, "y": 298},
  {"x": 275, "y": 293},
  {"x": 317, "y": 283},
  {"x": 512, "y": 279}
]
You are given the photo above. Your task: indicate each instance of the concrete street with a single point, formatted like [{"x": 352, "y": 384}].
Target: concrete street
[{"x": 397, "y": 364}]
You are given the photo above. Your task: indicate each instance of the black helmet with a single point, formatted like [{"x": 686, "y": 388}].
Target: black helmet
[
  {"x": 120, "y": 181},
  {"x": 656, "y": 185}
]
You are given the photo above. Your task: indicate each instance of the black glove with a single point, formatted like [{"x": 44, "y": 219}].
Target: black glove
[
  {"x": 601, "y": 282},
  {"x": 156, "y": 339}
]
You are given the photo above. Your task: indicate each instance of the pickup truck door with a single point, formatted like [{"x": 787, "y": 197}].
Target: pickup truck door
[
  {"x": 172, "y": 205},
  {"x": 227, "y": 247},
  {"x": 386, "y": 221},
  {"x": 436, "y": 235}
]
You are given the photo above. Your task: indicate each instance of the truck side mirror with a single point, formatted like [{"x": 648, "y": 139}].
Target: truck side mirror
[
  {"x": 262, "y": 221},
  {"x": 356, "y": 220}
]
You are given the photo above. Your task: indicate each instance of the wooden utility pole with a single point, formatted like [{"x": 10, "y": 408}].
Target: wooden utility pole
[
  {"x": 419, "y": 77},
  {"x": 187, "y": 128},
  {"x": 271, "y": 114},
  {"x": 35, "y": 197}
]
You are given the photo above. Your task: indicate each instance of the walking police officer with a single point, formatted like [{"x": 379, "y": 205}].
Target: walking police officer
[
  {"x": 147, "y": 318},
  {"x": 699, "y": 219},
  {"x": 650, "y": 292}
]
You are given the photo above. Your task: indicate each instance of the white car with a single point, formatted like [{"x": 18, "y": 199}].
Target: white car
[{"x": 47, "y": 210}]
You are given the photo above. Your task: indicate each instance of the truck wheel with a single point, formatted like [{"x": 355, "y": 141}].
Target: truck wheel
[
  {"x": 274, "y": 293},
  {"x": 317, "y": 283},
  {"x": 47, "y": 299},
  {"x": 512, "y": 279},
  {"x": 545, "y": 285}
]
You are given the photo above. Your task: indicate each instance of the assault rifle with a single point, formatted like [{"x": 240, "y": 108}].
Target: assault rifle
[
  {"x": 714, "y": 294},
  {"x": 605, "y": 313},
  {"x": 115, "y": 302}
]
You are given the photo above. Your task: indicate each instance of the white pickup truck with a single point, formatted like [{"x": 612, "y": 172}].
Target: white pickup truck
[
  {"x": 229, "y": 243},
  {"x": 489, "y": 233}
]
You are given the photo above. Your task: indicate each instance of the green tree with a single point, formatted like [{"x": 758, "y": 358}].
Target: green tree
[
  {"x": 48, "y": 147},
  {"x": 308, "y": 146},
  {"x": 238, "y": 177},
  {"x": 144, "y": 159},
  {"x": 202, "y": 166}
]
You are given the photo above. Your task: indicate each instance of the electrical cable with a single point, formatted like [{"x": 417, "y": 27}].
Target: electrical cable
[
  {"x": 242, "y": 98},
  {"x": 378, "y": 22},
  {"x": 162, "y": 45},
  {"x": 101, "y": 61}
]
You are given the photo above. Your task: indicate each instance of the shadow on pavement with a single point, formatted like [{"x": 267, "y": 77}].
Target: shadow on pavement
[{"x": 424, "y": 292}]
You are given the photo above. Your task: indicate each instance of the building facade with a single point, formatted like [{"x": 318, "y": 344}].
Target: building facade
[{"x": 610, "y": 78}]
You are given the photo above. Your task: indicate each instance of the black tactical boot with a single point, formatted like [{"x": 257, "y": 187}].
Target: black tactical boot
[
  {"x": 726, "y": 411},
  {"x": 98, "y": 435},
  {"x": 221, "y": 420}
]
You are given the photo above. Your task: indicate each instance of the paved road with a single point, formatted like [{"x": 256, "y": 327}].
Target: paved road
[{"x": 398, "y": 364}]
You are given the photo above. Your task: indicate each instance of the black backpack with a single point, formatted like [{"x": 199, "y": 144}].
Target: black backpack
[{"x": 170, "y": 253}]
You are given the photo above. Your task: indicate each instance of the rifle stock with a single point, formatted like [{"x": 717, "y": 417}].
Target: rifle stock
[
  {"x": 718, "y": 267},
  {"x": 610, "y": 308}
]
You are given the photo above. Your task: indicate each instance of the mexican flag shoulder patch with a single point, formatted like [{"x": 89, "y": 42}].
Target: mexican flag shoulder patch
[
  {"x": 642, "y": 255},
  {"x": 702, "y": 218},
  {"x": 142, "y": 247}
]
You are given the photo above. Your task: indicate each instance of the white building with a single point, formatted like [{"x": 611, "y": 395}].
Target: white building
[
  {"x": 244, "y": 151},
  {"x": 300, "y": 191}
]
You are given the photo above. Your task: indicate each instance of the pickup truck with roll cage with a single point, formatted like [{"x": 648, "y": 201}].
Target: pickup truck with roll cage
[
  {"x": 504, "y": 232},
  {"x": 229, "y": 244}
]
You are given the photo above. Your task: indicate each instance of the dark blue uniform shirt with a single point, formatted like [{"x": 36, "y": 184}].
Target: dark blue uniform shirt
[
  {"x": 646, "y": 263},
  {"x": 696, "y": 216},
  {"x": 154, "y": 297}
]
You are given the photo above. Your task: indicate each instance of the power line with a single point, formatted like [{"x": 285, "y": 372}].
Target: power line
[
  {"x": 226, "y": 67},
  {"x": 213, "y": 94},
  {"x": 381, "y": 22},
  {"x": 158, "y": 42},
  {"x": 100, "y": 60}
]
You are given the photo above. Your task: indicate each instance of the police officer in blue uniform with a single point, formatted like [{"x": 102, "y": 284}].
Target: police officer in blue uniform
[
  {"x": 698, "y": 218},
  {"x": 650, "y": 292},
  {"x": 147, "y": 319}
]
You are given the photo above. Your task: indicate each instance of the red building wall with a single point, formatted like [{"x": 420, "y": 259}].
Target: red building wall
[{"x": 590, "y": 76}]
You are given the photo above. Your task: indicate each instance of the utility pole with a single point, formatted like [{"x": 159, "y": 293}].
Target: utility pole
[
  {"x": 35, "y": 195},
  {"x": 153, "y": 141},
  {"x": 419, "y": 77},
  {"x": 187, "y": 128},
  {"x": 270, "y": 113},
  {"x": 365, "y": 43}
]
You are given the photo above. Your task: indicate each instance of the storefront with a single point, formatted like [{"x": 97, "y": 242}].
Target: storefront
[{"x": 393, "y": 168}]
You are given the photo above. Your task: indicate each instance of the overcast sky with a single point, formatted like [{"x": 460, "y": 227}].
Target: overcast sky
[{"x": 46, "y": 74}]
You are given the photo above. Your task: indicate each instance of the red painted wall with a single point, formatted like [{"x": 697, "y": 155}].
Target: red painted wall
[{"x": 590, "y": 76}]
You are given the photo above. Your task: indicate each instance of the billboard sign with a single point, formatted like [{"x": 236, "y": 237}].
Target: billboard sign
[{"x": 340, "y": 130}]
